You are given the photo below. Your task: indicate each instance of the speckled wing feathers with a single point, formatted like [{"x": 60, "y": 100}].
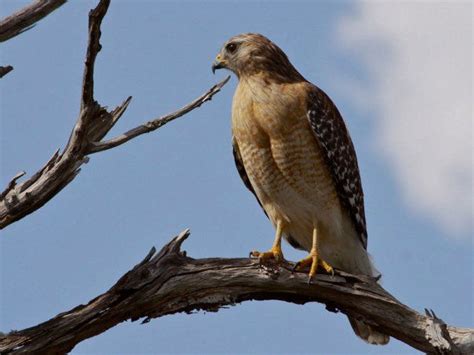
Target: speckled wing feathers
[{"x": 339, "y": 154}]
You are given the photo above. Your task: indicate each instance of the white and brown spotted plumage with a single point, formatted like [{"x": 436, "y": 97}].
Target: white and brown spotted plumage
[{"x": 293, "y": 151}]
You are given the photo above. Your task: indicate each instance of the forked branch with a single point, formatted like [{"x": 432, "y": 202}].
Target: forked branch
[
  {"x": 169, "y": 282},
  {"x": 93, "y": 123}
]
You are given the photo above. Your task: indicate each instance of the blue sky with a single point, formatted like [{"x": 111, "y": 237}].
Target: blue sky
[{"x": 381, "y": 67}]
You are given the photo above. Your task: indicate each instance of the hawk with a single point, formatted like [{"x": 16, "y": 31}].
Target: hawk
[{"x": 294, "y": 153}]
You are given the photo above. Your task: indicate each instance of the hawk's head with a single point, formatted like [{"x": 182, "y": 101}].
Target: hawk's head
[{"x": 252, "y": 53}]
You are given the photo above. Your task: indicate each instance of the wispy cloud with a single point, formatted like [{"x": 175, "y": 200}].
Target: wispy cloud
[{"x": 419, "y": 59}]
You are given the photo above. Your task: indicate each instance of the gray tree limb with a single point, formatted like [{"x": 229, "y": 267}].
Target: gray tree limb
[
  {"x": 168, "y": 282},
  {"x": 23, "y": 20},
  {"x": 93, "y": 123},
  {"x": 157, "y": 122},
  {"x": 26, "y": 18}
]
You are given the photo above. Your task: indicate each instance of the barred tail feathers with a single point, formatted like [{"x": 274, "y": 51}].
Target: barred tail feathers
[{"x": 368, "y": 333}]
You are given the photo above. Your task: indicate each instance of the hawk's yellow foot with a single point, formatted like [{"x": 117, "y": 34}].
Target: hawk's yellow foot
[
  {"x": 275, "y": 252},
  {"x": 313, "y": 260}
]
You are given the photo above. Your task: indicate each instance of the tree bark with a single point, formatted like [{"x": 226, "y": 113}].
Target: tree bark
[
  {"x": 93, "y": 123},
  {"x": 23, "y": 20},
  {"x": 26, "y": 18},
  {"x": 170, "y": 282}
]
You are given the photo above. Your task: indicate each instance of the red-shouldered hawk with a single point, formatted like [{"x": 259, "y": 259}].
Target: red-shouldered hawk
[{"x": 294, "y": 153}]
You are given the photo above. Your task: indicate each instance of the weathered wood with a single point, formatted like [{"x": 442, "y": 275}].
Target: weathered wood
[
  {"x": 25, "y": 18},
  {"x": 93, "y": 123},
  {"x": 157, "y": 122},
  {"x": 169, "y": 282},
  {"x": 11, "y": 185}
]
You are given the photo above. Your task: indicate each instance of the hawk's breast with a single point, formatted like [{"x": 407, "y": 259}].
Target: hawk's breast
[{"x": 282, "y": 158}]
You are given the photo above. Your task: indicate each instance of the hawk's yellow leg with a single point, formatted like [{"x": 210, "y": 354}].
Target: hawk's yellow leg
[
  {"x": 275, "y": 251},
  {"x": 313, "y": 260}
]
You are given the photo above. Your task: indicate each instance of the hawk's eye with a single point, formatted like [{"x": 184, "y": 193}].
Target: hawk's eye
[{"x": 231, "y": 47}]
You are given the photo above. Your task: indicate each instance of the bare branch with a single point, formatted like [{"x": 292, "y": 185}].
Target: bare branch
[
  {"x": 95, "y": 20},
  {"x": 166, "y": 283},
  {"x": 5, "y": 70},
  {"x": 25, "y": 18},
  {"x": 158, "y": 122},
  {"x": 11, "y": 185},
  {"x": 92, "y": 124}
]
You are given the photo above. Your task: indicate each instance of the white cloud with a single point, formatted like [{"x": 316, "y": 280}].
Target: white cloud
[{"x": 419, "y": 58}]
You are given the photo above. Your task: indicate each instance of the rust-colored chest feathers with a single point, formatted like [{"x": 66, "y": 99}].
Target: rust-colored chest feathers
[{"x": 280, "y": 154}]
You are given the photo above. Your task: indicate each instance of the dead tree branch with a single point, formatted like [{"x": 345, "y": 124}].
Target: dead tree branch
[
  {"x": 158, "y": 122},
  {"x": 23, "y": 20},
  {"x": 26, "y": 18},
  {"x": 93, "y": 123},
  {"x": 170, "y": 282}
]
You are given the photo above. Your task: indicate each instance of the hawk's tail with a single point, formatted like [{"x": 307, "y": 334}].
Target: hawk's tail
[
  {"x": 365, "y": 331},
  {"x": 368, "y": 333}
]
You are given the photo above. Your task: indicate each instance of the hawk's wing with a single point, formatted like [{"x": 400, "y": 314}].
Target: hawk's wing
[
  {"x": 241, "y": 169},
  {"x": 339, "y": 154}
]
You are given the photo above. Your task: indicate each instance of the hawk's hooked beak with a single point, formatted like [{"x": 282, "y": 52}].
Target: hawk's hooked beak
[{"x": 219, "y": 63}]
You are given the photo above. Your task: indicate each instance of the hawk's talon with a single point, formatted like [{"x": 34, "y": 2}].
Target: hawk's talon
[
  {"x": 313, "y": 261},
  {"x": 295, "y": 267},
  {"x": 274, "y": 253}
]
